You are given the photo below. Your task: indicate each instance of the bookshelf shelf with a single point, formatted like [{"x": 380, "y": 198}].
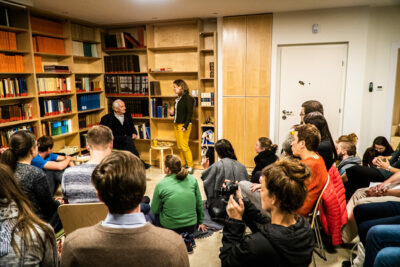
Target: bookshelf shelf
[
  {"x": 85, "y": 41},
  {"x": 124, "y": 73},
  {"x": 15, "y": 73},
  {"x": 206, "y": 79},
  {"x": 88, "y": 73},
  {"x": 140, "y": 118},
  {"x": 15, "y": 98},
  {"x": 86, "y": 58},
  {"x": 55, "y": 94},
  {"x": 12, "y": 123},
  {"x": 12, "y": 29},
  {"x": 47, "y": 118},
  {"x": 206, "y": 50},
  {"x": 89, "y": 110},
  {"x": 34, "y": 33},
  {"x": 174, "y": 48},
  {"x": 52, "y": 55},
  {"x": 127, "y": 96},
  {"x": 124, "y": 50},
  {"x": 173, "y": 72},
  {"x": 64, "y": 135},
  {"x": 14, "y": 51},
  {"x": 53, "y": 73},
  {"x": 91, "y": 92}
]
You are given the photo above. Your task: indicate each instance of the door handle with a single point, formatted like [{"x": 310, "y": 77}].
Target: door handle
[{"x": 287, "y": 112}]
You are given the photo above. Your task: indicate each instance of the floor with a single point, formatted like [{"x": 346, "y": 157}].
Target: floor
[{"x": 207, "y": 250}]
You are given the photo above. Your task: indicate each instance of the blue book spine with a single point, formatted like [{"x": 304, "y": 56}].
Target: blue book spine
[{"x": 159, "y": 111}]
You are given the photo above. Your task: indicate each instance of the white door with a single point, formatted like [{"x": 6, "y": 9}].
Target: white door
[{"x": 311, "y": 72}]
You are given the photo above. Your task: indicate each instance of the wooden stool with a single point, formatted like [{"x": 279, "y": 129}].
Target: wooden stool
[{"x": 161, "y": 149}]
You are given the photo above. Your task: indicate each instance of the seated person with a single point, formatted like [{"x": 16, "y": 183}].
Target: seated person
[
  {"x": 380, "y": 147},
  {"x": 177, "y": 199},
  {"x": 25, "y": 239},
  {"x": 31, "y": 179},
  {"x": 266, "y": 155},
  {"x": 52, "y": 164},
  {"x": 76, "y": 183},
  {"x": 122, "y": 127},
  {"x": 227, "y": 168},
  {"x": 283, "y": 240},
  {"x": 347, "y": 155},
  {"x": 123, "y": 238},
  {"x": 310, "y": 106}
]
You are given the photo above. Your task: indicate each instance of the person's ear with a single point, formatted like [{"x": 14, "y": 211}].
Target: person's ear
[{"x": 273, "y": 199}]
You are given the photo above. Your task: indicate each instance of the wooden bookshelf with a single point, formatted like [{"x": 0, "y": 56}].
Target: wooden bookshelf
[
  {"x": 12, "y": 29},
  {"x": 14, "y": 123}
]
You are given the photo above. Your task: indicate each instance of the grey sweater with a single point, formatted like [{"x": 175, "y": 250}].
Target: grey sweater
[
  {"x": 77, "y": 186},
  {"x": 216, "y": 174}
]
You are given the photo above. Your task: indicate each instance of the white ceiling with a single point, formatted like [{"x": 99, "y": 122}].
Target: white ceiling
[{"x": 109, "y": 12}]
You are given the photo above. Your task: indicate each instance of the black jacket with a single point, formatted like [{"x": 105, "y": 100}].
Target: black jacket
[
  {"x": 262, "y": 160},
  {"x": 121, "y": 132},
  {"x": 268, "y": 245},
  {"x": 325, "y": 150},
  {"x": 184, "y": 110}
]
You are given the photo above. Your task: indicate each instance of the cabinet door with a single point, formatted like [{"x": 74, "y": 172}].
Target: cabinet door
[
  {"x": 256, "y": 125},
  {"x": 234, "y": 56},
  {"x": 258, "y": 59},
  {"x": 233, "y": 124}
]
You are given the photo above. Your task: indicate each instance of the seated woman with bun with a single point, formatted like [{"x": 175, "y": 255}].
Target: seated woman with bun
[{"x": 285, "y": 239}]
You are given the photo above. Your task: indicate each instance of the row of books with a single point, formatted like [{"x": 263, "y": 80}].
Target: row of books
[
  {"x": 159, "y": 108},
  {"x": 88, "y": 120},
  {"x": 207, "y": 99},
  {"x": 8, "y": 40},
  {"x": 56, "y": 68},
  {"x": 12, "y": 87},
  {"x": 38, "y": 64},
  {"x": 4, "y": 16},
  {"x": 48, "y": 45},
  {"x": 54, "y": 128},
  {"x": 82, "y": 32},
  {"x": 84, "y": 49},
  {"x": 84, "y": 84},
  {"x": 83, "y": 137},
  {"x": 137, "y": 108},
  {"x": 88, "y": 102},
  {"x": 46, "y": 26},
  {"x": 127, "y": 84},
  {"x": 50, "y": 107},
  {"x": 16, "y": 112},
  {"x": 11, "y": 63},
  {"x": 5, "y": 134},
  {"x": 124, "y": 63},
  {"x": 53, "y": 85},
  {"x": 143, "y": 131},
  {"x": 125, "y": 40}
]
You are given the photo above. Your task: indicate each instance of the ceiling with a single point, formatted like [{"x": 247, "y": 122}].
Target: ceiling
[{"x": 108, "y": 12}]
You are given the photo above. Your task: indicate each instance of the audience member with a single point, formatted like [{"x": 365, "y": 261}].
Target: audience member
[
  {"x": 25, "y": 239},
  {"x": 31, "y": 179},
  {"x": 266, "y": 155},
  {"x": 285, "y": 239},
  {"x": 52, "y": 164},
  {"x": 177, "y": 200},
  {"x": 346, "y": 152},
  {"x": 326, "y": 148},
  {"x": 380, "y": 147},
  {"x": 123, "y": 238},
  {"x": 306, "y": 139},
  {"x": 76, "y": 184},
  {"x": 122, "y": 128},
  {"x": 310, "y": 106},
  {"x": 227, "y": 168}
]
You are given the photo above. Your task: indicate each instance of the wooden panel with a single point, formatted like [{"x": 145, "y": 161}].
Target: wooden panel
[
  {"x": 175, "y": 35},
  {"x": 178, "y": 61},
  {"x": 256, "y": 125},
  {"x": 234, "y": 56},
  {"x": 258, "y": 60},
  {"x": 234, "y": 123},
  {"x": 396, "y": 103}
]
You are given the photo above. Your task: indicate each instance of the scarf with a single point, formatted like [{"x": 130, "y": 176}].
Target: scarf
[{"x": 8, "y": 219}]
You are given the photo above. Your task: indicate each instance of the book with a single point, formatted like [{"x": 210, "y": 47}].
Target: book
[
  {"x": 155, "y": 88},
  {"x": 11, "y": 63},
  {"x": 8, "y": 40},
  {"x": 16, "y": 112},
  {"x": 54, "y": 128},
  {"x": 4, "y": 16},
  {"x": 56, "y": 68},
  {"x": 125, "y": 40},
  {"x": 46, "y": 26},
  {"x": 53, "y": 85},
  {"x": 88, "y": 102},
  {"x": 50, "y": 107},
  {"x": 13, "y": 87},
  {"x": 82, "y": 32},
  {"x": 5, "y": 134},
  {"x": 124, "y": 63},
  {"x": 48, "y": 45}
]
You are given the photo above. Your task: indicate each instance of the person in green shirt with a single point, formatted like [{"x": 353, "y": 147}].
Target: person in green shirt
[{"x": 177, "y": 199}]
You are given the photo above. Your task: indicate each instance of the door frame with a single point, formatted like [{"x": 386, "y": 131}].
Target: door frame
[
  {"x": 278, "y": 85},
  {"x": 394, "y": 54}
]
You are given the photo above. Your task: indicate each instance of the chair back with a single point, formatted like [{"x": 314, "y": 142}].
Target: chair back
[
  {"x": 75, "y": 216},
  {"x": 315, "y": 211}
]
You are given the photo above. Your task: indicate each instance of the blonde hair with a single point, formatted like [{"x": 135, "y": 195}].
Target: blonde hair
[
  {"x": 99, "y": 136},
  {"x": 174, "y": 164}
]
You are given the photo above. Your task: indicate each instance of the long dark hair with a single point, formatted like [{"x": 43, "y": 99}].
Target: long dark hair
[
  {"x": 27, "y": 220},
  {"x": 224, "y": 149},
  {"x": 21, "y": 145},
  {"x": 316, "y": 118},
  {"x": 382, "y": 141}
]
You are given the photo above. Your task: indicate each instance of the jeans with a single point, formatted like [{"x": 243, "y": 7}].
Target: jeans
[
  {"x": 369, "y": 215},
  {"x": 383, "y": 246},
  {"x": 360, "y": 177},
  {"x": 54, "y": 179},
  {"x": 182, "y": 142}
]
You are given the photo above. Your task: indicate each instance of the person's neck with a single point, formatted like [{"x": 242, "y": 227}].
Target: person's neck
[
  {"x": 96, "y": 156},
  {"x": 118, "y": 113},
  {"x": 26, "y": 160},
  {"x": 43, "y": 155},
  {"x": 345, "y": 157},
  {"x": 282, "y": 218},
  {"x": 308, "y": 154}
]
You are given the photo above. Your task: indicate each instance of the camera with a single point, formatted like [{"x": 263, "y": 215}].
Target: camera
[{"x": 229, "y": 189}]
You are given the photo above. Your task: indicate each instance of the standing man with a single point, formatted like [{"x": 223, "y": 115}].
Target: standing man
[{"x": 122, "y": 128}]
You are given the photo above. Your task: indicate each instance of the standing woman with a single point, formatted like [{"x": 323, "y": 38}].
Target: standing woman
[{"x": 183, "y": 121}]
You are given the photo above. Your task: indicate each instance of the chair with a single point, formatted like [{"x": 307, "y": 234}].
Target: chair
[
  {"x": 75, "y": 216},
  {"x": 161, "y": 149},
  {"x": 319, "y": 248}
]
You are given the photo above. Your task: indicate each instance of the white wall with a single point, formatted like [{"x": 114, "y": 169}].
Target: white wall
[{"x": 370, "y": 33}]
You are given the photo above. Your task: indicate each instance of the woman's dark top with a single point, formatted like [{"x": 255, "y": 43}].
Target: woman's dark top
[
  {"x": 325, "y": 150},
  {"x": 371, "y": 153},
  {"x": 269, "y": 244},
  {"x": 263, "y": 159},
  {"x": 184, "y": 110}
]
